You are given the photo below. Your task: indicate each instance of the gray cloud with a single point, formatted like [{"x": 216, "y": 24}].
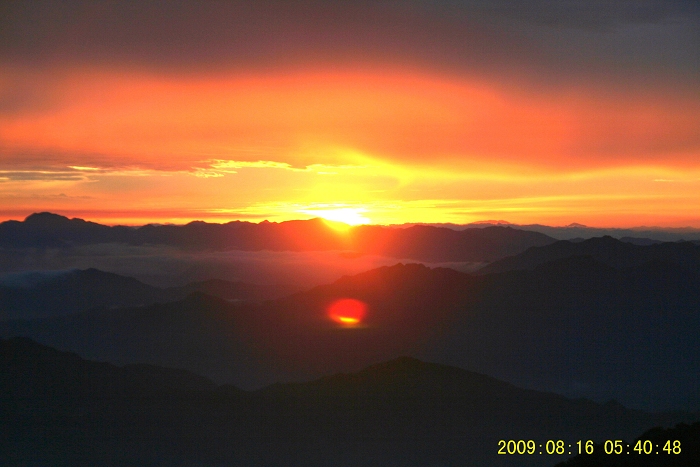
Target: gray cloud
[
  {"x": 587, "y": 14},
  {"x": 547, "y": 38}
]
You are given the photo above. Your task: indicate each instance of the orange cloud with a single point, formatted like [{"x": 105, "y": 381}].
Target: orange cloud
[
  {"x": 397, "y": 146},
  {"x": 299, "y": 118}
]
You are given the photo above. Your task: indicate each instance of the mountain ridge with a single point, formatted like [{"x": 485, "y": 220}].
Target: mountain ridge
[
  {"x": 575, "y": 326},
  {"x": 44, "y": 294},
  {"x": 608, "y": 250},
  {"x": 421, "y": 243},
  {"x": 186, "y": 419}
]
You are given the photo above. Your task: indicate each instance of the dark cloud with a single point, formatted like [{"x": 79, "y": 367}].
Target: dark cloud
[
  {"x": 587, "y": 14},
  {"x": 544, "y": 37}
]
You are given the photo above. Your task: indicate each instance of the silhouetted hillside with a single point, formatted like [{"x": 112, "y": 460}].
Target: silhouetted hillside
[
  {"x": 607, "y": 250},
  {"x": 59, "y": 409},
  {"x": 433, "y": 244},
  {"x": 574, "y": 230},
  {"x": 249, "y": 345},
  {"x": 235, "y": 291},
  {"x": 640, "y": 241},
  {"x": 419, "y": 243},
  {"x": 573, "y": 326},
  {"x": 51, "y": 230},
  {"x": 37, "y": 295},
  {"x": 579, "y": 327},
  {"x": 203, "y": 334}
]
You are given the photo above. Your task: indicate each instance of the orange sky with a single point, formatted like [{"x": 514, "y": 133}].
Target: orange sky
[{"x": 381, "y": 142}]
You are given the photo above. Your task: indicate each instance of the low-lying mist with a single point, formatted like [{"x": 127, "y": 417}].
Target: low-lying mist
[{"x": 167, "y": 266}]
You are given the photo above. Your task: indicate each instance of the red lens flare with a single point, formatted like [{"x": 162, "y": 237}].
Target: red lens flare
[{"x": 347, "y": 311}]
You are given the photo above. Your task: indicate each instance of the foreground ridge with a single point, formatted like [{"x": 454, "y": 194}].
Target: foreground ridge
[{"x": 62, "y": 410}]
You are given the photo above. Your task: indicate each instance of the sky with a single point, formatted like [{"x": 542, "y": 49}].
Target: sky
[{"x": 384, "y": 112}]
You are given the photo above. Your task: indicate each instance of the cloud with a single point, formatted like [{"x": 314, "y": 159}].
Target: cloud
[
  {"x": 196, "y": 109},
  {"x": 40, "y": 175},
  {"x": 182, "y": 85},
  {"x": 318, "y": 118},
  {"x": 71, "y": 173},
  {"x": 589, "y": 14},
  {"x": 219, "y": 168},
  {"x": 491, "y": 37}
]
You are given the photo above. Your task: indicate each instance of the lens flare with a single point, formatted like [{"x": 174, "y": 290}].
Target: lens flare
[{"x": 347, "y": 311}]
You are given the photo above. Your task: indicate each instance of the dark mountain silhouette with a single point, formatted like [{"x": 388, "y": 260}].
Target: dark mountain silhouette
[
  {"x": 234, "y": 291},
  {"x": 252, "y": 345},
  {"x": 687, "y": 454},
  {"x": 59, "y": 409},
  {"x": 640, "y": 241},
  {"x": 421, "y": 243},
  {"x": 201, "y": 333},
  {"x": 607, "y": 250},
  {"x": 36, "y": 295},
  {"x": 574, "y": 230},
  {"x": 433, "y": 244},
  {"x": 575, "y": 326},
  {"x": 46, "y": 229}
]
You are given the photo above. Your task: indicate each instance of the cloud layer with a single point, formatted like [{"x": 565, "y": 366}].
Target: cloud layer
[{"x": 199, "y": 108}]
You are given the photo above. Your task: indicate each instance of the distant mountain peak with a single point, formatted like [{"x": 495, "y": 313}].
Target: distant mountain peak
[
  {"x": 492, "y": 222},
  {"x": 607, "y": 241},
  {"x": 39, "y": 218},
  {"x": 202, "y": 299},
  {"x": 402, "y": 363}
]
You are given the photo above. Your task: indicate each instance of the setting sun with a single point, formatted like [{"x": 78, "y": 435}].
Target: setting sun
[{"x": 349, "y": 216}]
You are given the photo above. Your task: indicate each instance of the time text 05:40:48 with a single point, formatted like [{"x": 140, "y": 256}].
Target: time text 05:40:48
[{"x": 560, "y": 447}]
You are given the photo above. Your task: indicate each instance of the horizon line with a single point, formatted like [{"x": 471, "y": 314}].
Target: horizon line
[{"x": 475, "y": 224}]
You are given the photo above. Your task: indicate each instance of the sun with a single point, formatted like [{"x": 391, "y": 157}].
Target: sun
[{"x": 349, "y": 216}]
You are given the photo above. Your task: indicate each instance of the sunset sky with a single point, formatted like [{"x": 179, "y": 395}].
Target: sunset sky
[{"x": 386, "y": 112}]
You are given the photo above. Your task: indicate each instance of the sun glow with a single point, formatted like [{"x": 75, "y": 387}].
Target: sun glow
[
  {"x": 345, "y": 146},
  {"x": 349, "y": 216}
]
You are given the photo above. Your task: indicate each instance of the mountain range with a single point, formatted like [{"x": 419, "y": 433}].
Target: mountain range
[
  {"x": 576, "y": 326},
  {"x": 563, "y": 329},
  {"x": 642, "y": 234},
  {"x": 607, "y": 250},
  {"x": 52, "y": 293},
  {"x": 420, "y": 243},
  {"x": 61, "y": 410}
]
